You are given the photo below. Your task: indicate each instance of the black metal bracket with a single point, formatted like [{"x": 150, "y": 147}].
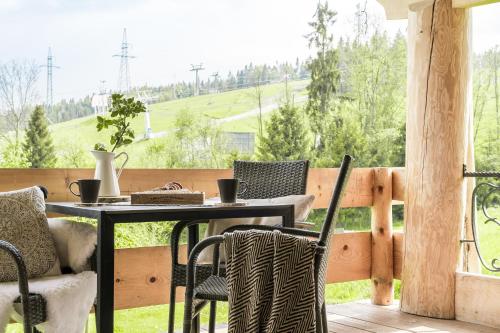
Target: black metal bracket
[
  {"x": 480, "y": 174},
  {"x": 490, "y": 188}
]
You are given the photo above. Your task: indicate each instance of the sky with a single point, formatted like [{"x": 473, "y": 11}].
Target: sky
[{"x": 167, "y": 36}]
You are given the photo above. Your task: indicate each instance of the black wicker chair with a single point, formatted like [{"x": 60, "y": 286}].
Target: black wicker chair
[
  {"x": 265, "y": 180},
  {"x": 33, "y": 306},
  {"x": 214, "y": 288}
]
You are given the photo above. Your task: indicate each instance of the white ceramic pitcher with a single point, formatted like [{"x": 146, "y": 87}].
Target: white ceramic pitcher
[{"x": 106, "y": 172}]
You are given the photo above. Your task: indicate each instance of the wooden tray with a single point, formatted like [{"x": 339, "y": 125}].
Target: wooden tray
[{"x": 180, "y": 197}]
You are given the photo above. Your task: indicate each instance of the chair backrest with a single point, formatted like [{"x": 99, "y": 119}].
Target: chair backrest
[
  {"x": 272, "y": 179},
  {"x": 334, "y": 207}
]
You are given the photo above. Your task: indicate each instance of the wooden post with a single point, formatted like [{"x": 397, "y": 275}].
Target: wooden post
[
  {"x": 382, "y": 246},
  {"x": 438, "y": 72},
  {"x": 470, "y": 258}
]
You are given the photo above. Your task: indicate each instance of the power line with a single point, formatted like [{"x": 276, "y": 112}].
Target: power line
[
  {"x": 50, "y": 92},
  {"x": 124, "y": 74},
  {"x": 196, "y": 69}
]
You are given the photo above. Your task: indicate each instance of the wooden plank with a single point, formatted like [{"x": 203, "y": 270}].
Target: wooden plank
[
  {"x": 177, "y": 197},
  {"x": 350, "y": 257},
  {"x": 358, "y": 191},
  {"x": 142, "y": 275},
  {"x": 472, "y": 3},
  {"x": 381, "y": 228},
  {"x": 359, "y": 324},
  {"x": 438, "y": 78},
  {"x": 403, "y": 321},
  {"x": 335, "y": 327},
  {"x": 320, "y": 182},
  {"x": 477, "y": 299},
  {"x": 398, "y": 238},
  {"x": 398, "y": 185}
]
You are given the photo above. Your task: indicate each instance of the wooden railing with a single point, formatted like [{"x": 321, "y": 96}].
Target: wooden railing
[{"x": 143, "y": 274}]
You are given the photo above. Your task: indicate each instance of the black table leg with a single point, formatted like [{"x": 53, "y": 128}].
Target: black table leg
[
  {"x": 193, "y": 238},
  {"x": 289, "y": 218},
  {"x": 105, "y": 274}
]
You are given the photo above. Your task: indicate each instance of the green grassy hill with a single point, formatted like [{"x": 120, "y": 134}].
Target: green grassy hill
[{"x": 80, "y": 135}]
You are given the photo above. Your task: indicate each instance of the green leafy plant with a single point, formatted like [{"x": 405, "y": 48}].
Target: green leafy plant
[{"x": 122, "y": 110}]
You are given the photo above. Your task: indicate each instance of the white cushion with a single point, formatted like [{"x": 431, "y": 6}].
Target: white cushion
[{"x": 302, "y": 203}]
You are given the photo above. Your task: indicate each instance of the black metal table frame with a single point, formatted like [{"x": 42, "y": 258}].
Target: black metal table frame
[{"x": 106, "y": 220}]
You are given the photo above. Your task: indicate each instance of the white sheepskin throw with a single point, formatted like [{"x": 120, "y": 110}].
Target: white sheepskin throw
[
  {"x": 69, "y": 300},
  {"x": 75, "y": 243}
]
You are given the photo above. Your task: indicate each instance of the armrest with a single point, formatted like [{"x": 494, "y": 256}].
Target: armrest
[
  {"x": 175, "y": 237},
  {"x": 22, "y": 281},
  {"x": 290, "y": 231},
  {"x": 304, "y": 225},
  {"x": 75, "y": 243}
]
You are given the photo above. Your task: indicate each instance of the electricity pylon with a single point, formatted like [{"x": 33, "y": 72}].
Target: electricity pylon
[
  {"x": 50, "y": 92},
  {"x": 124, "y": 74}
]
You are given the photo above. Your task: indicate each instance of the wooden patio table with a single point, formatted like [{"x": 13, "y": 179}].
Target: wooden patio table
[{"x": 107, "y": 216}]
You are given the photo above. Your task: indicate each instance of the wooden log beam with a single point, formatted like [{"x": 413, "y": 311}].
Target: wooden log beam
[
  {"x": 320, "y": 182},
  {"x": 142, "y": 275},
  {"x": 398, "y": 240},
  {"x": 472, "y": 3},
  {"x": 398, "y": 9},
  {"x": 382, "y": 248},
  {"x": 398, "y": 184},
  {"x": 470, "y": 258},
  {"x": 438, "y": 74}
]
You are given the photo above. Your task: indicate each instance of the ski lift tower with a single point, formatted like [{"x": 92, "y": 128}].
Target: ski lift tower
[{"x": 146, "y": 100}]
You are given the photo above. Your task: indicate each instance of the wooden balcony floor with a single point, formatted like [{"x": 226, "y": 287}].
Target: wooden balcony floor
[{"x": 362, "y": 317}]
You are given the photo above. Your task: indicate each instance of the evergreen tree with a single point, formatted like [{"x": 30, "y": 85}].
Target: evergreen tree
[
  {"x": 38, "y": 148},
  {"x": 286, "y": 136},
  {"x": 325, "y": 74},
  {"x": 343, "y": 135}
]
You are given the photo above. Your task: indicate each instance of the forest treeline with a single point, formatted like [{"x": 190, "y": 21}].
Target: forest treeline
[{"x": 249, "y": 76}]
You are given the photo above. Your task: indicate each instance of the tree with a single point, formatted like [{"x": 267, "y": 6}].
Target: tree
[
  {"x": 325, "y": 74},
  {"x": 286, "y": 136},
  {"x": 38, "y": 148},
  {"x": 17, "y": 95},
  {"x": 344, "y": 135},
  {"x": 259, "y": 94}
]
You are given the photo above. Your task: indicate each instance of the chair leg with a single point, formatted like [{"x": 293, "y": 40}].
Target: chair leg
[
  {"x": 324, "y": 318},
  {"x": 195, "y": 328},
  {"x": 188, "y": 313},
  {"x": 171, "y": 312},
  {"x": 213, "y": 314}
]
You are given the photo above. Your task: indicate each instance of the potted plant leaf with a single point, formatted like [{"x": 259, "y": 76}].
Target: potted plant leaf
[{"x": 121, "y": 112}]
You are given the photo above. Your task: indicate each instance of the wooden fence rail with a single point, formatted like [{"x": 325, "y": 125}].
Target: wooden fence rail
[{"x": 142, "y": 275}]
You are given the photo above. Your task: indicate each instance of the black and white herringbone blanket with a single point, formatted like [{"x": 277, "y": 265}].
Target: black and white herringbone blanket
[{"x": 270, "y": 277}]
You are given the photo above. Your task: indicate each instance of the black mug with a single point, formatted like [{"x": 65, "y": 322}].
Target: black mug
[
  {"x": 88, "y": 188},
  {"x": 229, "y": 189}
]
